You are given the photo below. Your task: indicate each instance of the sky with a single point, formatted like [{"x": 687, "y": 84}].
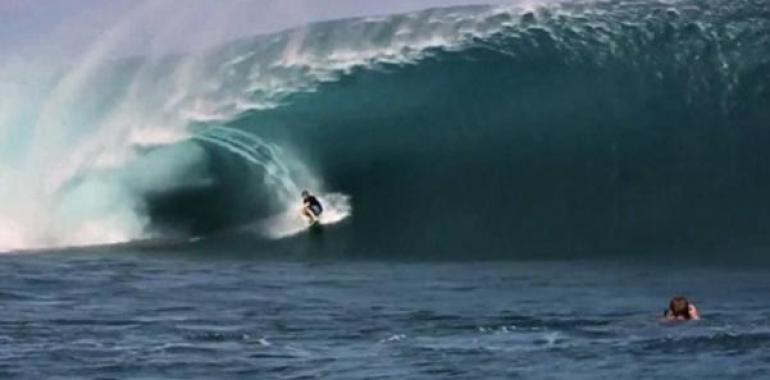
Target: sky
[{"x": 61, "y": 28}]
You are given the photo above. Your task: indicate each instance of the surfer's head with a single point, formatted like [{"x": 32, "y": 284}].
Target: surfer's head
[
  {"x": 679, "y": 307},
  {"x": 305, "y": 193}
]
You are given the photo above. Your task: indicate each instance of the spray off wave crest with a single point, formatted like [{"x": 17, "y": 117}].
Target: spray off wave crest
[
  {"x": 569, "y": 129},
  {"x": 100, "y": 153}
]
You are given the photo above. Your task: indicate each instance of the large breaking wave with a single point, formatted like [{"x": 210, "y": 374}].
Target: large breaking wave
[{"x": 571, "y": 128}]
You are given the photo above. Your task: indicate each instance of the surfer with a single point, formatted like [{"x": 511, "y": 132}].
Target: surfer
[
  {"x": 679, "y": 308},
  {"x": 311, "y": 207}
]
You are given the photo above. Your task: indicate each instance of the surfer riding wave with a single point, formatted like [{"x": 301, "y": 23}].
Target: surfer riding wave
[{"x": 312, "y": 208}]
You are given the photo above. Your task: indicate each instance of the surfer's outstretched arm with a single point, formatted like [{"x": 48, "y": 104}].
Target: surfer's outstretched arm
[{"x": 307, "y": 213}]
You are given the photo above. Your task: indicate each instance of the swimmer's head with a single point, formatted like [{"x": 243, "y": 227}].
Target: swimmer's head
[{"x": 679, "y": 306}]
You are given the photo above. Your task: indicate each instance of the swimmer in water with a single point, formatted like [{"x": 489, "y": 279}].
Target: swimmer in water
[{"x": 680, "y": 309}]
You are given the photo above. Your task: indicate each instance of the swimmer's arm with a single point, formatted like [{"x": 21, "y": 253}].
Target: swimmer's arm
[{"x": 694, "y": 313}]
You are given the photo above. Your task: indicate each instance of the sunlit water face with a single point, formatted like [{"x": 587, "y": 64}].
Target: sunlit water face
[
  {"x": 155, "y": 315},
  {"x": 78, "y": 160}
]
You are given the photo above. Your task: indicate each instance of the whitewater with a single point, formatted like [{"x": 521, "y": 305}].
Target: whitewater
[
  {"x": 510, "y": 191},
  {"x": 86, "y": 147},
  {"x": 618, "y": 125}
]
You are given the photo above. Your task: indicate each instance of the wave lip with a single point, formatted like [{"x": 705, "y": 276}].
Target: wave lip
[
  {"x": 571, "y": 127},
  {"x": 577, "y": 129}
]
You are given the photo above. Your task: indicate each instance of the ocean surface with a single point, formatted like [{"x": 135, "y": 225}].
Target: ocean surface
[{"x": 124, "y": 315}]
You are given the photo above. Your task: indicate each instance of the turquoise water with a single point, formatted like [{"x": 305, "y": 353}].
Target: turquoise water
[
  {"x": 575, "y": 129},
  {"x": 510, "y": 192}
]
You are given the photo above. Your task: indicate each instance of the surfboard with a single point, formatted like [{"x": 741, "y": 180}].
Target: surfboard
[{"x": 291, "y": 222}]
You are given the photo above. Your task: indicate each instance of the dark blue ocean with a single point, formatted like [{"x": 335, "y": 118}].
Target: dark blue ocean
[{"x": 124, "y": 315}]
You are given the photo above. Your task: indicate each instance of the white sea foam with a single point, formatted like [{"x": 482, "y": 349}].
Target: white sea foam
[
  {"x": 74, "y": 177},
  {"x": 336, "y": 206}
]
